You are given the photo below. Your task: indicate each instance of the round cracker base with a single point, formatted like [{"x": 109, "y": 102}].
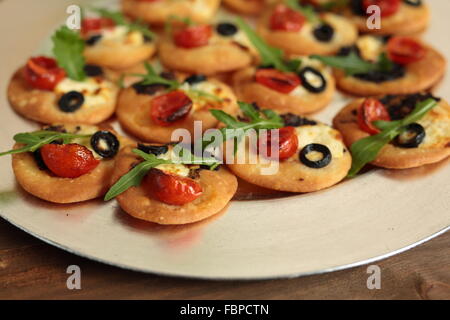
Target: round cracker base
[{"x": 218, "y": 189}]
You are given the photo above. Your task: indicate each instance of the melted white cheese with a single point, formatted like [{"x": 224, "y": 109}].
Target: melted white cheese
[
  {"x": 178, "y": 169},
  {"x": 321, "y": 134},
  {"x": 371, "y": 47},
  {"x": 122, "y": 35},
  {"x": 95, "y": 91}
]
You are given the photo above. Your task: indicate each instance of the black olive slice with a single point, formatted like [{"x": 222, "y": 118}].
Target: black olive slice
[
  {"x": 93, "y": 40},
  {"x": 155, "y": 150},
  {"x": 149, "y": 89},
  {"x": 411, "y": 137},
  {"x": 357, "y": 7},
  {"x": 148, "y": 39},
  {"x": 307, "y": 74},
  {"x": 169, "y": 75},
  {"x": 71, "y": 101},
  {"x": 56, "y": 128},
  {"x": 293, "y": 120},
  {"x": 227, "y": 29},
  {"x": 398, "y": 71},
  {"x": 324, "y": 32},
  {"x": 93, "y": 70},
  {"x": 414, "y": 3},
  {"x": 315, "y": 164},
  {"x": 195, "y": 78},
  {"x": 105, "y": 144},
  {"x": 38, "y": 159}
]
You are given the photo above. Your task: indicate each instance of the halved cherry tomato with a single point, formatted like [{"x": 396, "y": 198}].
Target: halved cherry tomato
[
  {"x": 371, "y": 110},
  {"x": 172, "y": 189},
  {"x": 387, "y": 7},
  {"x": 96, "y": 24},
  {"x": 287, "y": 141},
  {"x": 283, "y": 82},
  {"x": 286, "y": 19},
  {"x": 68, "y": 160},
  {"x": 43, "y": 73},
  {"x": 404, "y": 50},
  {"x": 193, "y": 36},
  {"x": 170, "y": 107}
]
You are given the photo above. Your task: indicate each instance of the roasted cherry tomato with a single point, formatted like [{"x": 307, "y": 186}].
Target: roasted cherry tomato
[
  {"x": 172, "y": 189},
  {"x": 286, "y": 19},
  {"x": 170, "y": 107},
  {"x": 68, "y": 160},
  {"x": 283, "y": 82},
  {"x": 96, "y": 24},
  {"x": 388, "y": 7},
  {"x": 193, "y": 36},
  {"x": 404, "y": 50},
  {"x": 287, "y": 142},
  {"x": 43, "y": 73},
  {"x": 371, "y": 110}
]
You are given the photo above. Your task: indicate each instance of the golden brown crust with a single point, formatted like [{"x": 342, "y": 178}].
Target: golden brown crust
[
  {"x": 250, "y": 91},
  {"x": 391, "y": 156},
  {"x": 44, "y": 185},
  {"x": 304, "y": 42},
  {"x": 210, "y": 59},
  {"x": 133, "y": 112},
  {"x": 408, "y": 20},
  {"x": 419, "y": 76},
  {"x": 159, "y": 12},
  {"x": 42, "y": 106},
  {"x": 218, "y": 189},
  {"x": 118, "y": 56},
  {"x": 250, "y": 7},
  {"x": 294, "y": 176}
]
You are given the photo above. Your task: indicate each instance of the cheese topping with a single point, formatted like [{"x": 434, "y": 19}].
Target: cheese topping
[
  {"x": 178, "y": 169},
  {"x": 437, "y": 128},
  {"x": 321, "y": 134},
  {"x": 95, "y": 91},
  {"x": 371, "y": 47},
  {"x": 120, "y": 35}
]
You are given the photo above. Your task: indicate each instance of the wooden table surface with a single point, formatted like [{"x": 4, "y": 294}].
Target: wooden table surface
[{"x": 31, "y": 269}]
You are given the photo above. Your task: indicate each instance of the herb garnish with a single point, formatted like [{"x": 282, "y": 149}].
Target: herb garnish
[
  {"x": 352, "y": 64},
  {"x": 306, "y": 10},
  {"x": 68, "y": 49},
  {"x": 120, "y": 20},
  {"x": 270, "y": 56},
  {"x": 151, "y": 77},
  {"x": 366, "y": 150},
  {"x": 134, "y": 177},
  {"x": 35, "y": 140},
  {"x": 258, "y": 120}
]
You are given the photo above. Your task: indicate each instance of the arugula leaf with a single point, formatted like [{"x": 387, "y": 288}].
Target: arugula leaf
[
  {"x": 134, "y": 177},
  {"x": 120, "y": 20},
  {"x": 307, "y": 10},
  {"x": 336, "y": 4},
  {"x": 366, "y": 150},
  {"x": 68, "y": 49},
  {"x": 353, "y": 64},
  {"x": 270, "y": 56},
  {"x": 35, "y": 140}
]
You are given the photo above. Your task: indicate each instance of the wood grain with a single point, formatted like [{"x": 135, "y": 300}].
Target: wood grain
[{"x": 31, "y": 269}]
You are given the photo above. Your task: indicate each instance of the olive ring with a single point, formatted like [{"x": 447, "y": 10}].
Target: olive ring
[{"x": 315, "y": 147}]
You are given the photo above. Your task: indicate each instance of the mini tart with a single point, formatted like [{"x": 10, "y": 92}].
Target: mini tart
[
  {"x": 299, "y": 101},
  {"x": 221, "y": 54},
  {"x": 292, "y": 175},
  {"x": 408, "y": 20},
  {"x": 133, "y": 112},
  {"x": 44, "y": 185},
  {"x": 250, "y": 7},
  {"x": 218, "y": 189},
  {"x": 304, "y": 42},
  {"x": 419, "y": 76},
  {"x": 118, "y": 48},
  {"x": 434, "y": 148},
  {"x": 42, "y": 106},
  {"x": 158, "y": 12}
]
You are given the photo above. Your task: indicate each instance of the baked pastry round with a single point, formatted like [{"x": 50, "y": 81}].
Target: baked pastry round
[
  {"x": 118, "y": 48},
  {"x": 133, "y": 111},
  {"x": 435, "y": 147},
  {"x": 310, "y": 39},
  {"x": 294, "y": 176},
  {"x": 44, "y": 185},
  {"x": 250, "y": 7},
  {"x": 158, "y": 12},
  {"x": 218, "y": 189},
  {"x": 408, "y": 20},
  {"x": 411, "y": 78},
  {"x": 42, "y": 106},
  {"x": 299, "y": 101}
]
